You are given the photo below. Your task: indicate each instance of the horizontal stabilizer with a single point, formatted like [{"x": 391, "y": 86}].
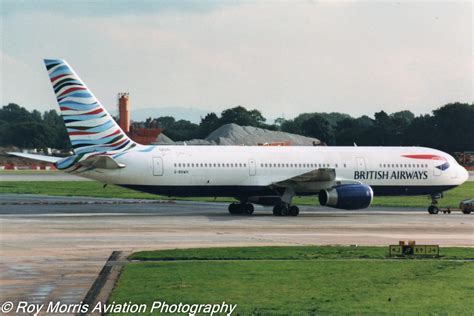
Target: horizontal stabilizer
[
  {"x": 50, "y": 159},
  {"x": 101, "y": 162}
]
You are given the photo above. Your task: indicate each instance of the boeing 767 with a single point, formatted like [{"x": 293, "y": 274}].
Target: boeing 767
[{"x": 342, "y": 177}]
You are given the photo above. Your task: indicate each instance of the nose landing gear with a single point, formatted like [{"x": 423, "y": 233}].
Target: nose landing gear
[{"x": 433, "y": 208}]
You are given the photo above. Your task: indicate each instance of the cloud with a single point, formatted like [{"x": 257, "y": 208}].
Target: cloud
[
  {"x": 277, "y": 57},
  {"x": 107, "y": 7}
]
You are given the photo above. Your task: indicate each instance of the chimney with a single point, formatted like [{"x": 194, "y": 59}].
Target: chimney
[{"x": 124, "y": 113}]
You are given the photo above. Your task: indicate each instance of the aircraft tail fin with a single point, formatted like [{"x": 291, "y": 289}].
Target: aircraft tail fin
[{"x": 90, "y": 127}]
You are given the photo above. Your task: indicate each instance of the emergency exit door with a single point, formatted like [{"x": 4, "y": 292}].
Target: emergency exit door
[
  {"x": 252, "y": 167},
  {"x": 157, "y": 166}
]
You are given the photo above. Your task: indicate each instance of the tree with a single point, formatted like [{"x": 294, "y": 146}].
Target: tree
[
  {"x": 452, "y": 127},
  {"x": 405, "y": 117},
  {"x": 165, "y": 122},
  {"x": 182, "y": 130},
  {"x": 208, "y": 124},
  {"x": 241, "y": 116},
  {"x": 318, "y": 127}
]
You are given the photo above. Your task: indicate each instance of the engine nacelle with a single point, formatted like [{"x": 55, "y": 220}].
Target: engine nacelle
[{"x": 347, "y": 196}]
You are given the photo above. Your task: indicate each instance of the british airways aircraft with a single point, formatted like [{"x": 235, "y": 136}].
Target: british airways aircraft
[{"x": 342, "y": 177}]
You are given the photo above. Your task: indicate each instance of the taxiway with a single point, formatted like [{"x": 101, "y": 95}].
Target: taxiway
[{"x": 53, "y": 247}]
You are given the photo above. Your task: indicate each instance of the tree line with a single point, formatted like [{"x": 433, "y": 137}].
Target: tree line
[{"x": 449, "y": 128}]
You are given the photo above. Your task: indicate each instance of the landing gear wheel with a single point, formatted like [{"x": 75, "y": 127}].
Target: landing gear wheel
[
  {"x": 466, "y": 210},
  {"x": 235, "y": 208},
  {"x": 294, "y": 210},
  {"x": 248, "y": 208},
  {"x": 277, "y": 210},
  {"x": 433, "y": 209},
  {"x": 284, "y": 210}
]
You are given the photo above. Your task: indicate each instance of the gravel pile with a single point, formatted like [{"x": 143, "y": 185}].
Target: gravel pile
[{"x": 233, "y": 134}]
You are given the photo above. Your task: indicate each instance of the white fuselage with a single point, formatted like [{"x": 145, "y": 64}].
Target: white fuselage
[{"x": 252, "y": 170}]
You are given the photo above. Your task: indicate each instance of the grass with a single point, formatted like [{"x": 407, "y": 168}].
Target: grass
[
  {"x": 95, "y": 189},
  {"x": 286, "y": 253},
  {"x": 301, "y": 280}
]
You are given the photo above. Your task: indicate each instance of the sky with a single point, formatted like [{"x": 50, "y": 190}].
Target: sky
[{"x": 280, "y": 57}]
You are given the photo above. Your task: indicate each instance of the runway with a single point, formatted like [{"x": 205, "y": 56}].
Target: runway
[{"x": 53, "y": 247}]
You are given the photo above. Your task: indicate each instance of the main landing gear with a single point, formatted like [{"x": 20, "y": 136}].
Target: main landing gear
[
  {"x": 285, "y": 210},
  {"x": 281, "y": 209},
  {"x": 241, "y": 208},
  {"x": 433, "y": 208}
]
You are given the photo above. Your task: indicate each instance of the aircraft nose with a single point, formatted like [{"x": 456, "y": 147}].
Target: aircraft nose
[{"x": 464, "y": 174}]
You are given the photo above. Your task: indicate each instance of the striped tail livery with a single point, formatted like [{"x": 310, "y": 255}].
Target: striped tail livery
[{"x": 91, "y": 129}]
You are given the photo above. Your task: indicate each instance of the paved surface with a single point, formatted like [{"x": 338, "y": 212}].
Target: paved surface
[{"x": 53, "y": 248}]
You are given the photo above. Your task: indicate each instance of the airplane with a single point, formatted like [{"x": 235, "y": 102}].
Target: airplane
[{"x": 342, "y": 177}]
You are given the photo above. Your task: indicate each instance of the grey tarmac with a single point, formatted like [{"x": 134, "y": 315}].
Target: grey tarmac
[{"x": 52, "y": 248}]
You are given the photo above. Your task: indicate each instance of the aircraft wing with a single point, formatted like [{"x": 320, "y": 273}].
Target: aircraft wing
[
  {"x": 311, "y": 181},
  {"x": 50, "y": 159},
  {"x": 317, "y": 175},
  {"x": 314, "y": 181}
]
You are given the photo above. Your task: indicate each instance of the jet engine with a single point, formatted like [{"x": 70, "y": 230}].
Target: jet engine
[{"x": 347, "y": 196}]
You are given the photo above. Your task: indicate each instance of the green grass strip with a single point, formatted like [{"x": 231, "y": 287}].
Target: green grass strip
[
  {"x": 263, "y": 284},
  {"x": 95, "y": 189}
]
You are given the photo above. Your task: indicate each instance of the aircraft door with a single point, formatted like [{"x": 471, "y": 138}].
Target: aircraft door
[
  {"x": 252, "y": 167},
  {"x": 360, "y": 164},
  {"x": 157, "y": 166}
]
